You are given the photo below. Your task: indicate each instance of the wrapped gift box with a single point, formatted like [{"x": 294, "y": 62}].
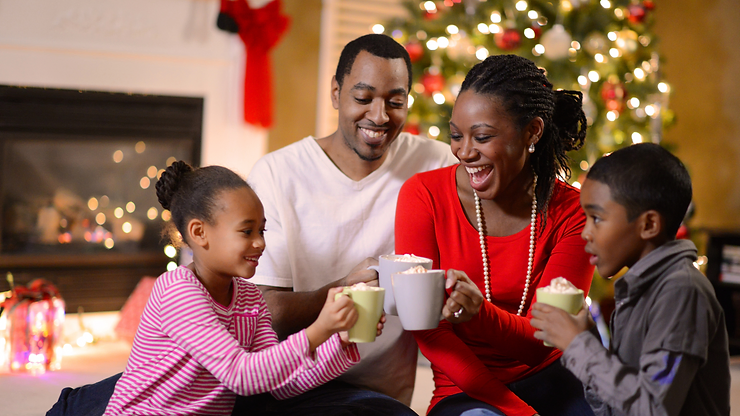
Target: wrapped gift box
[{"x": 31, "y": 325}]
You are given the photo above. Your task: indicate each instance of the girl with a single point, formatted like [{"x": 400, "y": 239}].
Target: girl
[{"x": 205, "y": 335}]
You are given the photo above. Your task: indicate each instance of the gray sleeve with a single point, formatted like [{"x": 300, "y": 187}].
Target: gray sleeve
[{"x": 658, "y": 387}]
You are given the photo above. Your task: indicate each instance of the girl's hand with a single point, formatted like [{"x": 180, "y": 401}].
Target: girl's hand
[
  {"x": 464, "y": 301},
  {"x": 337, "y": 315}
]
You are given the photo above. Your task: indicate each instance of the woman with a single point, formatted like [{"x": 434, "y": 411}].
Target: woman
[{"x": 503, "y": 217}]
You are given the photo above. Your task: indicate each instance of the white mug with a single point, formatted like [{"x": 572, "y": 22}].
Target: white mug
[
  {"x": 419, "y": 298},
  {"x": 389, "y": 264}
]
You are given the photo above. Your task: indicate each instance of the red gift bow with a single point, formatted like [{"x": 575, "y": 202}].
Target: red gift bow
[
  {"x": 36, "y": 290},
  {"x": 260, "y": 30}
]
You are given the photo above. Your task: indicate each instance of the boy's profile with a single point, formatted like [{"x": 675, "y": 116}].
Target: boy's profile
[{"x": 669, "y": 352}]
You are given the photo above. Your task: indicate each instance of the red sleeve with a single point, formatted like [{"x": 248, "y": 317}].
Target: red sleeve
[
  {"x": 415, "y": 222},
  {"x": 415, "y": 234}
]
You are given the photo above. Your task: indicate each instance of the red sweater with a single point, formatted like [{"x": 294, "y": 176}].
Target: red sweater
[{"x": 496, "y": 347}]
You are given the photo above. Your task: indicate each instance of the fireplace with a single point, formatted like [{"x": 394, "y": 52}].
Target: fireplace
[{"x": 77, "y": 199}]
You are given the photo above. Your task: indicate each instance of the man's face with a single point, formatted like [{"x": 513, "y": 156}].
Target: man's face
[
  {"x": 612, "y": 240},
  {"x": 372, "y": 104}
]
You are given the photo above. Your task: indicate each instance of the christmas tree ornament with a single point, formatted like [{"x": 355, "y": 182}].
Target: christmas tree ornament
[
  {"x": 415, "y": 50},
  {"x": 649, "y": 5},
  {"x": 412, "y": 128},
  {"x": 636, "y": 13},
  {"x": 596, "y": 42},
  {"x": 537, "y": 28},
  {"x": 556, "y": 42},
  {"x": 627, "y": 41},
  {"x": 471, "y": 7},
  {"x": 432, "y": 81},
  {"x": 508, "y": 39},
  {"x": 614, "y": 95}
]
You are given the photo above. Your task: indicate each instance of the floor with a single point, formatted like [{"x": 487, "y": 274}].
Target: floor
[
  {"x": 32, "y": 395},
  {"x": 29, "y": 395}
]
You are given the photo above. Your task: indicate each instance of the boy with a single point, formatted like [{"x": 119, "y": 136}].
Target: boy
[{"x": 669, "y": 352}]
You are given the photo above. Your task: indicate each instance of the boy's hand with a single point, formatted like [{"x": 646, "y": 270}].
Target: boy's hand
[
  {"x": 557, "y": 326},
  {"x": 464, "y": 301},
  {"x": 337, "y": 315}
]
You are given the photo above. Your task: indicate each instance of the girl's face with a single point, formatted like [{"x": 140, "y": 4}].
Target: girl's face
[
  {"x": 488, "y": 143},
  {"x": 236, "y": 238}
]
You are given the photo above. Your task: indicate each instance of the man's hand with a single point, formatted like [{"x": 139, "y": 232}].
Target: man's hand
[
  {"x": 557, "y": 326},
  {"x": 360, "y": 273},
  {"x": 464, "y": 301}
]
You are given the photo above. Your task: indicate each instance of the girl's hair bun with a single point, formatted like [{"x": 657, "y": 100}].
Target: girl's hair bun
[{"x": 170, "y": 182}]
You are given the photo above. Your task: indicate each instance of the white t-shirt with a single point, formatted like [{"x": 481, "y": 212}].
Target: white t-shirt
[{"x": 321, "y": 224}]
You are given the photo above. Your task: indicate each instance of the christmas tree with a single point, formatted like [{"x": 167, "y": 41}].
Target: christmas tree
[{"x": 604, "y": 48}]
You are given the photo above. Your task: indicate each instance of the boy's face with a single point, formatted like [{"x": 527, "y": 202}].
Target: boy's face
[{"x": 611, "y": 239}]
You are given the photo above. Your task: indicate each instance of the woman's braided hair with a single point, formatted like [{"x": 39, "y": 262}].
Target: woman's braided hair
[
  {"x": 191, "y": 193},
  {"x": 526, "y": 93}
]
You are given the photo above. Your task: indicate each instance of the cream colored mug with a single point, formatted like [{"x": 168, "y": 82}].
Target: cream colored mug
[{"x": 369, "y": 304}]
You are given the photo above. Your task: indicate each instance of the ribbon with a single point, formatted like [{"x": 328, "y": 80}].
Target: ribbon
[{"x": 260, "y": 30}]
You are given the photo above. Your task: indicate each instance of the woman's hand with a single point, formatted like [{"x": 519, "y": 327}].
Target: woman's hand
[{"x": 464, "y": 301}]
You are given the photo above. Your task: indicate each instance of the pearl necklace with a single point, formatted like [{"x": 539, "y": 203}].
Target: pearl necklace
[{"x": 484, "y": 253}]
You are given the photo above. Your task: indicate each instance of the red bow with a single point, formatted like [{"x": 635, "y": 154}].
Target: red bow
[
  {"x": 36, "y": 290},
  {"x": 260, "y": 30}
]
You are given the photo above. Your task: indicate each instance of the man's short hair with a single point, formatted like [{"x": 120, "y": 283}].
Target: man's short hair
[
  {"x": 382, "y": 46},
  {"x": 644, "y": 177}
]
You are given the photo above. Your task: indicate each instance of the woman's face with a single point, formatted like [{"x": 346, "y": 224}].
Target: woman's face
[{"x": 488, "y": 143}]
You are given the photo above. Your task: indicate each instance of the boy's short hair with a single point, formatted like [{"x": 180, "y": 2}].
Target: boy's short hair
[
  {"x": 379, "y": 45},
  {"x": 644, "y": 177}
]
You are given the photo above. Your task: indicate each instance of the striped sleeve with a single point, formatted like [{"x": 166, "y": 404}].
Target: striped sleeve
[
  {"x": 331, "y": 361},
  {"x": 278, "y": 366}
]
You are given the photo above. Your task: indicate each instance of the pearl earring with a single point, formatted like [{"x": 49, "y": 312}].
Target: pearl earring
[{"x": 531, "y": 148}]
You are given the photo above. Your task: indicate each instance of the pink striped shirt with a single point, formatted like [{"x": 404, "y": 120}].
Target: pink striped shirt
[{"x": 191, "y": 355}]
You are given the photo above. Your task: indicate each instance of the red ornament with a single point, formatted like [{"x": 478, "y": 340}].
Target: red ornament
[
  {"x": 432, "y": 83},
  {"x": 636, "y": 13},
  {"x": 537, "y": 30},
  {"x": 412, "y": 128},
  {"x": 415, "y": 50},
  {"x": 508, "y": 40},
  {"x": 649, "y": 5},
  {"x": 431, "y": 15},
  {"x": 614, "y": 96}
]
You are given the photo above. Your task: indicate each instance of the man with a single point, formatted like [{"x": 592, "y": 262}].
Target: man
[{"x": 330, "y": 206}]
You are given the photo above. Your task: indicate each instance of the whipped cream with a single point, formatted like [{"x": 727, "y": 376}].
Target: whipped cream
[
  {"x": 560, "y": 285},
  {"x": 362, "y": 286},
  {"x": 410, "y": 258},
  {"x": 415, "y": 269}
]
